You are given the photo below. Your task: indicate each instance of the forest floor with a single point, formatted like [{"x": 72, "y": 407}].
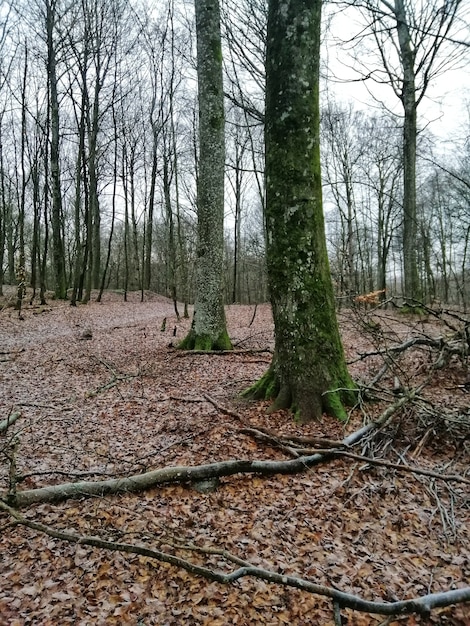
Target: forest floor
[{"x": 102, "y": 393}]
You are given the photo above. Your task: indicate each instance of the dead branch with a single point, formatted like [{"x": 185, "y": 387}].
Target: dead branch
[
  {"x": 275, "y": 442},
  {"x": 182, "y": 474},
  {"x": 224, "y": 409},
  {"x": 11, "y": 419},
  {"x": 14, "y": 352},
  {"x": 243, "y": 351},
  {"x": 253, "y": 316},
  {"x": 175, "y": 474},
  {"x": 449, "y": 478},
  {"x": 422, "y": 605},
  {"x": 268, "y": 436},
  {"x": 438, "y": 342},
  {"x": 109, "y": 385}
]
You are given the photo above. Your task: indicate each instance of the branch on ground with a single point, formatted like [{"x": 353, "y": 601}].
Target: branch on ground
[
  {"x": 188, "y": 474},
  {"x": 11, "y": 419},
  {"x": 421, "y": 605}
]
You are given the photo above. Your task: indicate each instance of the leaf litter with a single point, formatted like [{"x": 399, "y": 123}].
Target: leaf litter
[{"x": 123, "y": 401}]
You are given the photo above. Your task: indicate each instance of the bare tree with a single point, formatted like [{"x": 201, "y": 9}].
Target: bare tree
[
  {"x": 209, "y": 326},
  {"x": 413, "y": 43}
]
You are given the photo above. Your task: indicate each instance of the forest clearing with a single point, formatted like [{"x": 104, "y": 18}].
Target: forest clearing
[{"x": 99, "y": 393}]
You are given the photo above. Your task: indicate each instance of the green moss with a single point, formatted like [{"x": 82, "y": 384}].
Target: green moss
[
  {"x": 222, "y": 342},
  {"x": 188, "y": 342},
  {"x": 333, "y": 405},
  {"x": 217, "y": 122},
  {"x": 204, "y": 342},
  {"x": 331, "y": 402},
  {"x": 265, "y": 388},
  {"x": 216, "y": 48}
]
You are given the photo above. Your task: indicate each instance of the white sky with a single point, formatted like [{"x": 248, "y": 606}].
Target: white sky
[{"x": 444, "y": 110}]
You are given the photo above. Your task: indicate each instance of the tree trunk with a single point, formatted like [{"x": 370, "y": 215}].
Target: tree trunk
[
  {"x": 3, "y": 209},
  {"x": 308, "y": 373},
  {"x": 209, "y": 326},
  {"x": 408, "y": 97},
  {"x": 57, "y": 217}
]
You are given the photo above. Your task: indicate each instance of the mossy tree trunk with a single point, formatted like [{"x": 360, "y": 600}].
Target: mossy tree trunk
[
  {"x": 308, "y": 372},
  {"x": 208, "y": 330}
]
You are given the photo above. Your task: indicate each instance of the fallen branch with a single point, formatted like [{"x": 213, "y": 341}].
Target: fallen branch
[
  {"x": 449, "y": 478},
  {"x": 182, "y": 474},
  {"x": 182, "y": 353},
  {"x": 15, "y": 352},
  {"x": 11, "y": 419},
  {"x": 409, "y": 343},
  {"x": 112, "y": 383},
  {"x": 175, "y": 474},
  {"x": 450, "y": 346},
  {"x": 421, "y": 605}
]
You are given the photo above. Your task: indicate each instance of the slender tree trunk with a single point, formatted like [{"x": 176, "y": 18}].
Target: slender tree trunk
[
  {"x": 308, "y": 372},
  {"x": 79, "y": 181},
  {"x": 411, "y": 287},
  {"x": 113, "y": 203},
  {"x": 57, "y": 214},
  {"x": 3, "y": 210},
  {"x": 21, "y": 269},
  {"x": 93, "y": 186},
  {"x": 147, "y": 269},
  {"x": 171, "y": 230}
]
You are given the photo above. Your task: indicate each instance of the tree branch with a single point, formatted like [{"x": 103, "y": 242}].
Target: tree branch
[
  {"x": 11, "y": 419},
  {"x": 180, "y": 474},
  {"x": 422, "y": 605}
]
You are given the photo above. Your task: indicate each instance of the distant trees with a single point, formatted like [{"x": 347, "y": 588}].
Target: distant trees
[
  {"x": 362, "y": 169},
  {"x": 412, "y": 45},
  {"x": 99, "y": 154}
]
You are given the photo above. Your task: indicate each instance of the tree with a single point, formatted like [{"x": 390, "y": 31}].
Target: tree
[
  {"x": 341, "y": 128},
  {"x": 208, "y": 329},
  {"x": 51, "y": 19},
  {"x": 412, "y": 41},
  {"x": 308, "y": 372}
]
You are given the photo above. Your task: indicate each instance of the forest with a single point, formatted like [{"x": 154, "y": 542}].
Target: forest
[
  {"x": 98, "y": 135},
  {"x": 233, "y": 312}
]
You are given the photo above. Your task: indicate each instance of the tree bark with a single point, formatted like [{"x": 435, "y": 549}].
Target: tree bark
[
  {"x": 209, "y": 329},
  {"x": 309, "y": 372},
  {"x": 411, "y": 286},
  {"x": 57, "y": 216}
]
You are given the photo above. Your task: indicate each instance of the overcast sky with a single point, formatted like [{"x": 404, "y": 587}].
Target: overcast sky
[{"x": 445, "y": 107}]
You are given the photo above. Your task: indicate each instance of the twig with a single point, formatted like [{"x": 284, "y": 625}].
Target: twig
[
  {"x": 402, "y": 468},
  {"x": 337, "y": 613},
  {"x": 253, "y": 316}
]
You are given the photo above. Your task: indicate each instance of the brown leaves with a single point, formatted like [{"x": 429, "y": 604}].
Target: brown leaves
[{"x": 364, "y": 529}]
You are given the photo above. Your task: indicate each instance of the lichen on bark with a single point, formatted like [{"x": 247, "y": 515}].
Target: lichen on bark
[{"x": 308, "y": 372}]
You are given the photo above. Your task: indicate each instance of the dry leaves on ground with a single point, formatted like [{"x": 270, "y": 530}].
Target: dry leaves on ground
[{"x": 102, "y": 393}]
